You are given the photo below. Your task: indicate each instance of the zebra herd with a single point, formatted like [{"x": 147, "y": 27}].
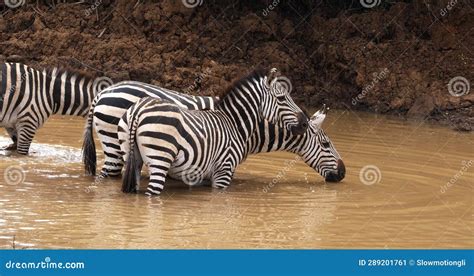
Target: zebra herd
[{"x": 189, "y": 138}]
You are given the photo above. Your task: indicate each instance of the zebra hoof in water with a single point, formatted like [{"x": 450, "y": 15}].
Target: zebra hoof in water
[{"x": 149, "y": 194}]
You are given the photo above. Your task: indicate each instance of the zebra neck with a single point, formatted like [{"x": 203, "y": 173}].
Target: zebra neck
[
  {"x": 72, "y": 94},
  {"x": 269, "y": 137},
  {"x": 242, "y": 111}
]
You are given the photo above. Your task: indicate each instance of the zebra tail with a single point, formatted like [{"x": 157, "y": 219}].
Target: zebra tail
[
  {"x": 131, "y": 175},
  {"x": 132, "y": 168},
  {"x": 89, "y": 158}
]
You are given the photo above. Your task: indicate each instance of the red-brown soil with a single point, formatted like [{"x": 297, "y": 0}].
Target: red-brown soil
[{"x": 395, "y": 58}]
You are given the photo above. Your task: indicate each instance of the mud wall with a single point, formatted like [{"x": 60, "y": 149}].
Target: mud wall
[{"x": 396, "y": 57}]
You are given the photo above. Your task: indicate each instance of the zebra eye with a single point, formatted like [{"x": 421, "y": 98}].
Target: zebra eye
[
  {"x": 281, "y": 98},
  {"x": 325, "y": 144}
]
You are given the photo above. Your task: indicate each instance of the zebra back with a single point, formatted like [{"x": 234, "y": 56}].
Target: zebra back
[{"x": 29, "y": 97}]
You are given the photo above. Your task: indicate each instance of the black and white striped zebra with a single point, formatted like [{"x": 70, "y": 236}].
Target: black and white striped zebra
[
  {"x": 28, "y": 97},
  {"x": 109, "y": 106},
  {"x": 197, "y": 144},
  {"x": 314, "y": 146}
]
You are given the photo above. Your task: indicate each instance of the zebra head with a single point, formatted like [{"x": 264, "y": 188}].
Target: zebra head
[
  {"x": 318, "y": 151},
  {"x": 279, "y": 108}
]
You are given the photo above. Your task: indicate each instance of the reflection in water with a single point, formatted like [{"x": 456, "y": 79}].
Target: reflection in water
[{"x": 407, "y": 185}]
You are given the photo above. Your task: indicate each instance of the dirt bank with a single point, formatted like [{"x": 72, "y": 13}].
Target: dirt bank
[{"x": 393, "y": 58}]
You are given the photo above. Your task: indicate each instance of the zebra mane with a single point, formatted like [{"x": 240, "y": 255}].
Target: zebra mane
[
  {"x": 255, "y": 74},
  {"x": 71, "y": 71}
]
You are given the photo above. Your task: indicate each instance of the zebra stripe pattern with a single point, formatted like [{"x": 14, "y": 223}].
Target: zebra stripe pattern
[
  {"x": 314, "y": 146},
  {"x": 28, "y": 97},
  {"x": 109, "y": 106},
  {"x": 205, "y": 144}
]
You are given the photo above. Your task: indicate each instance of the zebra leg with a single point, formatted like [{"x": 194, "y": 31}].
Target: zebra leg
[
  {"x": 112, "y": 166},
  {"x": 13, "y": 135},
  {"x": 158, "y": 166},
  {"x": 113, "y": 163},
  {"x": 26, "y": 133},
  {"x": 222, "y": 178}
]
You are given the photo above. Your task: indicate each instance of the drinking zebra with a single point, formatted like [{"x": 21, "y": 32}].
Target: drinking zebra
[
  {"x": 314, "y": 146},
  {"x": 202, "y": 144},
  {"x": 28, "y": 97}
]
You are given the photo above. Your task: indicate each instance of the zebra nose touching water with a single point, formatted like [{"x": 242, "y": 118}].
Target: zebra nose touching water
[
  {"x": 28, "y": 97},
  {"x": 200, "y": 144},
  {"x": 313, "y": 146},
  {"x": 318, "y": 151}
]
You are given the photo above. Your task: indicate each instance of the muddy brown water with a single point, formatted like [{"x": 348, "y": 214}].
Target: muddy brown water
[{"x": 409, "y": 204}]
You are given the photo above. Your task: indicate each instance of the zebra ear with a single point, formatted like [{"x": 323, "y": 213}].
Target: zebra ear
[
  {"x": 272, "y": 76},
  {"x": 318, "y": 118}
]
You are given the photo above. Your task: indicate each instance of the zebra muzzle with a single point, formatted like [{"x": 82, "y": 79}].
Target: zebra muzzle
[{"x": 338, "y": 174}]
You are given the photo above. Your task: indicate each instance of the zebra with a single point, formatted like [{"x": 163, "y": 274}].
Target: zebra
[
  {"x": 109, "y": 106},
  {"x": 202, "y": 144},
  {"x": 314, "y": 146},
  {"x": 28, "y": 97}
]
